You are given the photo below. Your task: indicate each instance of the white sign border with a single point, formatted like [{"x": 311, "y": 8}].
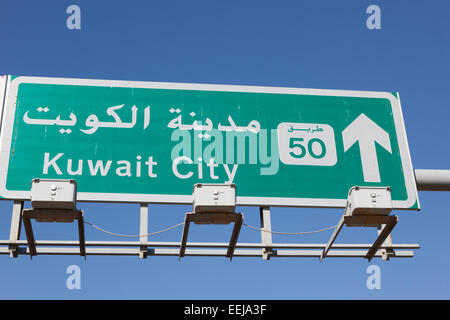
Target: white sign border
[{"x": 8, "y": 122}]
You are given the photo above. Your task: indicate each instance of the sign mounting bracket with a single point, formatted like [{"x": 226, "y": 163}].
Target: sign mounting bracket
[
  {"x": 367, "y": 207},
  {"x": 49, "y": 215},
  {"x": 212, "y": 218}
]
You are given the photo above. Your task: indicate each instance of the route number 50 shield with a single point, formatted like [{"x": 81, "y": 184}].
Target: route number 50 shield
[{"x": 306, "y": 144}]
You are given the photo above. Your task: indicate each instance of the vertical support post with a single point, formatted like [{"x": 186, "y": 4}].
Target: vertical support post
[
  {"x": 266, "y": 235},
  {"x": 14, "y": 232},
  {"x": 388, "y": 252},
  {"x": 143, "y": 231}
]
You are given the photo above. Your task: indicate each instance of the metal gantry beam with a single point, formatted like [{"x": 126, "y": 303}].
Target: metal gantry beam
[
  {"x": 213, "y": 245},
  {"x": 133, "y": 248}
]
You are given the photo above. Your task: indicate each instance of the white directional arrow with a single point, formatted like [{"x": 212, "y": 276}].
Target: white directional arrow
[{"x": 367, "y": 132}]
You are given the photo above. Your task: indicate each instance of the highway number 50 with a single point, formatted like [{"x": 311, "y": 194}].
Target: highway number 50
[
  {"x": 306, "y": 144},
  {"x": 315, "y": 147}
]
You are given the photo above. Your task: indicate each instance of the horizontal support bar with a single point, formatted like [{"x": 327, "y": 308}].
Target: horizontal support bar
[
  {"x": 432, "y": 180},
  {"x": 206, "y": 252},
  {"x": 206, "y": 245}
]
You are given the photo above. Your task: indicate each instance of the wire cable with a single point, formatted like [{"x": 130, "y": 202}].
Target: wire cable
[
  {"x": 181, "y": 223},
  {"x": 290, "y": 233},
  {"x": 132, "y": 236}
]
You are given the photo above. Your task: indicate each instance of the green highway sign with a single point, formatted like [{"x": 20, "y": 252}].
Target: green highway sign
[{"x": 125, "y": 141}]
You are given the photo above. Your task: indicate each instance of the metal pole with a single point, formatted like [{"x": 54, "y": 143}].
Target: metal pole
[
  {"x": 143, "y": 240},
  {"x": 14, "y": 233},
  {"x": 432, "y": 180},
  {"x": 207, "y": 252},
  {"x": 266, "y": 228},
  {"x": 235, "y": 235},
  {"x": 332, "y": 238},
  {"x": 81, "y": 235},
  {"x": 29, "y": 232},
  {"x": 187, "y": 221}
]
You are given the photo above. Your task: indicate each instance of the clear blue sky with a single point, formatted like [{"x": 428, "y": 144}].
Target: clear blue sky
[{"x": 304, "y": 44}]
